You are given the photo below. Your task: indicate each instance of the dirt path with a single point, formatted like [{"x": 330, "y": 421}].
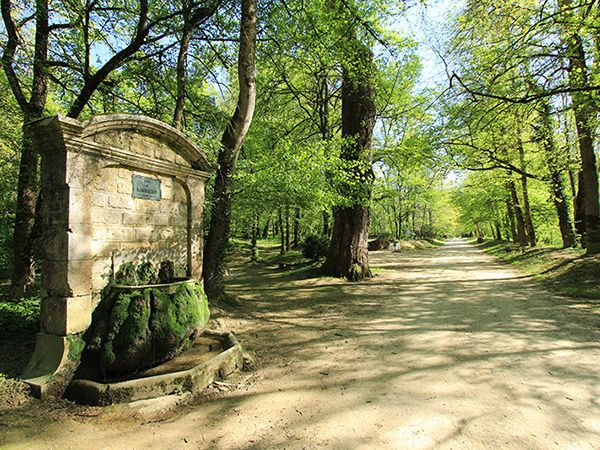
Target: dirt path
[{"x": 445, "y": 348}]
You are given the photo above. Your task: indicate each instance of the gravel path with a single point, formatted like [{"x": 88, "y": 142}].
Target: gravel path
[{"x": 444, "y": 348}]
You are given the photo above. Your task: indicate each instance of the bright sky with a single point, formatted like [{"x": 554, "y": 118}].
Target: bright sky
[{"x": 427, "y": 24}]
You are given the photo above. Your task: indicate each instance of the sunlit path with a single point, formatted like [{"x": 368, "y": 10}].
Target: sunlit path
[{"x": 445, "y": 348}]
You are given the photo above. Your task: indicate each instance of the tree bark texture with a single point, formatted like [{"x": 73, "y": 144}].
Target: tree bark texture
[
  {"x": 348, "y": 254},
  {"x": 521, "y": 232},
  {"x": 579, "y": 208},
  {"x": 557, "y": 186},
  {"x": 526, "y": 206},
  {"x": 297, "y": 231},
  {"x": 288, "y": 245},
  {"x": 23, "y": 275},
  {"x": 231, "y": 142},
  {"x": 511, "y": 220}
]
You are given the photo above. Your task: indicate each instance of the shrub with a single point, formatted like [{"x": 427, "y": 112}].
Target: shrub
[{"x": 315, "y": 246}]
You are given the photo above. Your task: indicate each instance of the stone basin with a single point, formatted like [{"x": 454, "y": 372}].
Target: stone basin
[{"x": 213, "y": 356}]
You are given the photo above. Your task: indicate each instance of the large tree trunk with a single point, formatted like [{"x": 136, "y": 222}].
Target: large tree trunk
[
  {"x": 348, "y": 254},
  {"x": 584, "y": 111},
  {"x": 521, "y": 233},
  {"x": 231, "y": 142}
]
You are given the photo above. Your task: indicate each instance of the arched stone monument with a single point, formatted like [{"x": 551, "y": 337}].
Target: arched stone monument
[{"x": 116, "y": 188}]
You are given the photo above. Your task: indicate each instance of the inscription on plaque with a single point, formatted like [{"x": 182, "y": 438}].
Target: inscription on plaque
[{"x": 144, "y": 187}]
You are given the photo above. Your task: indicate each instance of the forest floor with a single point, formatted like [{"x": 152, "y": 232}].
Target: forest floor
[{"x": 446, "y": 348}]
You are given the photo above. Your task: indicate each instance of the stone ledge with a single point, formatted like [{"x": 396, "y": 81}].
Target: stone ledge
[{"x": 192, "y": 380}]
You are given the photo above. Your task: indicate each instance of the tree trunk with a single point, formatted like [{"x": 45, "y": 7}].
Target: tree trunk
[
  {"x": 297, "y": 230},
  {"x": 556, "y": 179},
  {"x": 521, "y": 233},
  {"x": 231, "y": 142},
  {"x": 579, "y": 209},
  {"x": 254, "y": 239},
  {"x": 23, "y": 276},
  {"x": 511, "y": 220},
  {"x": 526, "y": 207},
  {"x": 326, "y": 216},
  {"x": 478, "y": 233},
  {"x": 265, "y": 231},
  {"x": 281, "y": 233},
  {"x": 498, "y": 230},
  {"x": 585, "y": 112},
  {"x": 288, "y": 246},
  {"x": 348, "y": 255},
  {"x": 186, "y": 36}
]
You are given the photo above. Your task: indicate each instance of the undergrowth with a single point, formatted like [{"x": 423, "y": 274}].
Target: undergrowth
[{"x": 566, "y": 271}]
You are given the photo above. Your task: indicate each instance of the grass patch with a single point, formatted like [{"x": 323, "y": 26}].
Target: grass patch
[
  {"x": 19, "y": 324},
  {"x": 566, "y": 271}
]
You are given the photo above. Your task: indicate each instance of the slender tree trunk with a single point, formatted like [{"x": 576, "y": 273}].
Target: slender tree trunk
[
  {"x": 526, "y": 207},
  {"x": 511, "y": 220},
  {"x": 585, "y": 112},
  {"x": 288, "y": 246},
  {"x": 521, "y": 233},
  {"x": 23, "y": 236},
  {"x": 348, "y": 254},
  {"x": 27, "y": 184},
  {"x": 478, "y": 233},
  {"x": 281, "y": 233},
  {"x": 297, "y": 231},
  {"x": 184, "y": 45},
  {"x": 498, "y": 230},
  {"x": 254, "y": 239},
  {"x": 579, "y": 209},
  {"x": 231, "y": 143},
  {"x": 265, "y": 231}
]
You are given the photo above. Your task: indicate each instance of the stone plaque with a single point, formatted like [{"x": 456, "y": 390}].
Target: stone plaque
[{"x": 144, "y": 187}]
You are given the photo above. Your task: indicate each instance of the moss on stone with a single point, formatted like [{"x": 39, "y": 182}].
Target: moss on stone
[
  {"x": 141, "y": 327},
  {"x": 117, "y": 318},
  {"x": 76, "y": 346}
]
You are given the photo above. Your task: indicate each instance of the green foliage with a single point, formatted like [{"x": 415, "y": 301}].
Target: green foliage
[
  {"x": 315, "y": 246},
  {"x": 19, "y": 318}
]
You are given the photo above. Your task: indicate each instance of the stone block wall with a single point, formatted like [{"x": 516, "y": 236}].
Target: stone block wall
[{"x": 92, "y": 222}]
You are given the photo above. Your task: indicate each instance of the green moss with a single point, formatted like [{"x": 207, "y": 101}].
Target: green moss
[
  {"x": 117, "y": 318},
  {"x": 134, "y": 330},
  {"x": 76, "y": 346},
  {"x": 137, "y": 328},
  {"x": 127, "y": 274},
  {"x": 146, "y": 273}
]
